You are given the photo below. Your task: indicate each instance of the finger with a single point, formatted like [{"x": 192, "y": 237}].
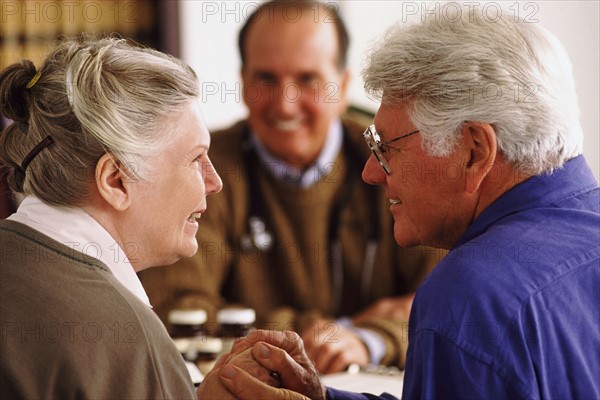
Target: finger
[
  {"x": 297, "y": 373},
  {"x": 246, "y": 387},
  {"x": 222, "y": 360},
  {"x": 286, "y": 340},
  {"x": 283, "y": 339},
  {"x": 246, "y": 361},
  {"x": 293, "y": 345},
  {"x": 309, "y": 342},
  {"x": 242, "y": 344},
  {"x": 273, "y": 359},
  {"x": 292, "y": 373},
  {"x": 335, "y": 356},
  {"x": 324, "y": 357},
  {"x": 337, "y": 363},
  {"x": 212, "y": 388}
]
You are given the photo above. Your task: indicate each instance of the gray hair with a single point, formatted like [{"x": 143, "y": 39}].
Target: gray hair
[
  {"x": 93, "y": 96},
  {"x": 507, "y": 72}
]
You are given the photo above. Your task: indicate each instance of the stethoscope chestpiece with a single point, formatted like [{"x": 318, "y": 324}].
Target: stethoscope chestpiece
[{"x": 258, "y": 238}]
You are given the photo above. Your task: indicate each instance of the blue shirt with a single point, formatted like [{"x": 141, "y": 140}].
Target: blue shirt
[{"x": 513, "y": 311}]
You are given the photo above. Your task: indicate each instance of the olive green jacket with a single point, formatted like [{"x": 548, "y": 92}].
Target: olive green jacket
[{"x": 70, "y": 330}]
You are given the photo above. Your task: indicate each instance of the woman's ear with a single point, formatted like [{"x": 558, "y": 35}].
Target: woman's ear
[
  {"x": 481, "y": 143},
  {"x": 112, "y": 182}
]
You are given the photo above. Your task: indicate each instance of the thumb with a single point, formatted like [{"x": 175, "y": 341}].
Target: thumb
[
  {"x": 246, "y": 387},
  {"x": 296, "y": 375}
]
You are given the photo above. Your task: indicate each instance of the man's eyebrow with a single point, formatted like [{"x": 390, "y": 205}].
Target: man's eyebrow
[
  {"x": 381, "y": 133},
  {"x": 263, "y": 74}
]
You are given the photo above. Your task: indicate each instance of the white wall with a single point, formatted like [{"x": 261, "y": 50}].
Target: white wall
[{"x": 209, "y": 44}]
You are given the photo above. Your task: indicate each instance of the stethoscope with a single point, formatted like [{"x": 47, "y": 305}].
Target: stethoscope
[{"x": 257, "y": 237}]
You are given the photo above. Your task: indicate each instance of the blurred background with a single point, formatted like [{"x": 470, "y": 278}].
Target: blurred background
[
  {"x": 209, "y": 44},
  {"x": 204, "y": 34}
]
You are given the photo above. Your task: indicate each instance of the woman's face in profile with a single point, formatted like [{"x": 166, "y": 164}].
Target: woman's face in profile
[{"x": 169, "y": 204}]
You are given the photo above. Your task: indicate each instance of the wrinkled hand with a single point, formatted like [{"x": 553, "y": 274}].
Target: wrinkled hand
[
  {"x": 212, "y": 388},
  {"x": 333, "y": 347},
  {"x": 275, "y": 351},
  {"x": 388, "y": 308}
]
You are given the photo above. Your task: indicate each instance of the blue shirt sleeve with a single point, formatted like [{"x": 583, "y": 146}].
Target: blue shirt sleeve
[
  {"x": 334, "y": 394},
  {"x": 440, "y": 368}
]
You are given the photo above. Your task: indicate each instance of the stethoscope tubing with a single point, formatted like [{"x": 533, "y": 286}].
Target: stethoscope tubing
[{"x": 258, "y": 236}]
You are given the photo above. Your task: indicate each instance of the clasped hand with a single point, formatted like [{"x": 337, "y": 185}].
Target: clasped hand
[{"x": 264, "y": 365}]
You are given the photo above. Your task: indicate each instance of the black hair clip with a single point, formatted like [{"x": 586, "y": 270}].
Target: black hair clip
[
  {"x": 20, "y": 169},
  {"x": 46, "y": 142}
]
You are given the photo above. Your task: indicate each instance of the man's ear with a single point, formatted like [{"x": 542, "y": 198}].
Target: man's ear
[
  {"x": 245, "y": 85},
  {"x": 112, "y": 182},
  {"x": 481, "y": 143},
  {"x": 344, "y": 85}
]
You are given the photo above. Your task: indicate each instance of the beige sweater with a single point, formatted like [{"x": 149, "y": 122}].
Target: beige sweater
[
  {"x": 291, "y": 284},
  {"x": 71, "y": 330}
]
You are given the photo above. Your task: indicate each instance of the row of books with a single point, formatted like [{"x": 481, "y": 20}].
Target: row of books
[
  {"x": 49, "y": 18},
  {"x": 28, "y": 29}
]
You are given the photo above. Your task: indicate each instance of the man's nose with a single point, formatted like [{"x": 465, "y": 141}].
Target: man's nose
[
  {"x": 373, "y": 173},
  {"x": 287, "y": 98}
]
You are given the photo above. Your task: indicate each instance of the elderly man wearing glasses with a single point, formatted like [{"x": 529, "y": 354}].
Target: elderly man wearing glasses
[{"x": 512, "y": 311}]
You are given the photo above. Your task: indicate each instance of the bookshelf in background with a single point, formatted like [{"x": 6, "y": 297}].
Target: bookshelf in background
[{"x": 29, "y": 29}]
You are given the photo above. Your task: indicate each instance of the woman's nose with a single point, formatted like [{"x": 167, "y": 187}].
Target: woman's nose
[{"x": 212, "y": 180}]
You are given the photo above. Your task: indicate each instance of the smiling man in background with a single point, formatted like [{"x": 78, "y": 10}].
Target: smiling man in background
[{"x": 295, "y": 234}]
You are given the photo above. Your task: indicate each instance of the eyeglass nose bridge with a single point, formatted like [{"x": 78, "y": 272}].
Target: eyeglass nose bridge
[{"x": 372, "y": 138}]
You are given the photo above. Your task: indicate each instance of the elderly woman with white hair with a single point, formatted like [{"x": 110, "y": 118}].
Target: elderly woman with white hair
[{"x": 109, "y": 149}]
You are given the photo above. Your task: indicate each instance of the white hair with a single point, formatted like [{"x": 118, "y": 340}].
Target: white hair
[
  {"x": 123, "y": 95},
  {"x": 91, "y": 96},
  {"x": 507, "y": 72}
]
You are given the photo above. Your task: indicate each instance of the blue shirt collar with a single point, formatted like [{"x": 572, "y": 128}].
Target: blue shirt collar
[
  {"x": 314, "y": 173},
  {"x": 573, "y": 178}
]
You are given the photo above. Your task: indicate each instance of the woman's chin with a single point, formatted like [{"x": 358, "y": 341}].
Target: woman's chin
[{"x": 190, "y": 248}]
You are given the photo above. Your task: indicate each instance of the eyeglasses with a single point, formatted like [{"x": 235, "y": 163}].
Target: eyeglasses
[{"x": 374, "y": 142}]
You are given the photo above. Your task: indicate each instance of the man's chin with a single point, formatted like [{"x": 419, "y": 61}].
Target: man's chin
[{"x": 405, "y": 241}]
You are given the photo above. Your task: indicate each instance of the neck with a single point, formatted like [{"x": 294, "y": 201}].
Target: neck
[
  {"x": 106, "y": 216},
  {"x": 500, "y": 180}
]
